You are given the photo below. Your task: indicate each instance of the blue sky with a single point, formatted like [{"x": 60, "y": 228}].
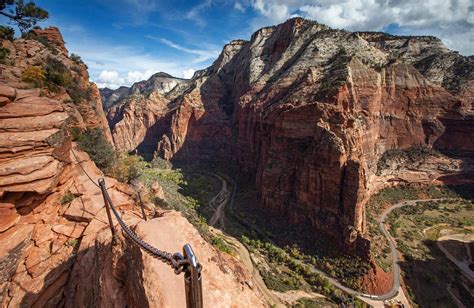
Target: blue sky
[{"x": 124, "y": 41}]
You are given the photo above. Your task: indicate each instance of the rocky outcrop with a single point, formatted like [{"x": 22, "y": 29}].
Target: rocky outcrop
[
  {"x": 30, "y": 131},
  {"x": 79, "y": 97},
  {"x": 56, "y": 248},
  {"x": 54, "y": 36},
  {"x": 310, "y": 110},
  {"x": 137, "y": 115}
]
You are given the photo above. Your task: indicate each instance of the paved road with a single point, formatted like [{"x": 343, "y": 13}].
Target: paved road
[
  {"x": 393, "y": 248},
  {"x": 220, "y": 200}
]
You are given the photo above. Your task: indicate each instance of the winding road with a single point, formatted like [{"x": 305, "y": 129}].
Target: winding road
[{"x": 223, "y": 198}]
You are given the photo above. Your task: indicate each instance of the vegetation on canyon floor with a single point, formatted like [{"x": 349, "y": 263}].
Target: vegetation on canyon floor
[
  {"x": 286, "y": 257},
  {"x": 380, "y": 248},
  {"x": 426, "y": 270}
]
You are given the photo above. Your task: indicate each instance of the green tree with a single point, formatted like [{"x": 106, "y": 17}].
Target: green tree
[{"x": 25, "y": 16}]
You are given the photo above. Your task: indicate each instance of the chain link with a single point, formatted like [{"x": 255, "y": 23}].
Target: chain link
[{"x": 177, "y": 261}]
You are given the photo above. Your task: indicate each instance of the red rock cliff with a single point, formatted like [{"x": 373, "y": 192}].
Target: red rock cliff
[
  {"x": 310, "y": 110},
  {"x": 55, "y": 243}
]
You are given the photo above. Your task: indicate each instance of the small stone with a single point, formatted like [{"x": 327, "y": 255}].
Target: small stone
[{"x": 7, "y": 91}]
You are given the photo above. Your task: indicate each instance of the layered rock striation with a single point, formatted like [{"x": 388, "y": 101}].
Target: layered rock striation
[
  {"x": 56, "y": 247},
  {"x": 309, "y": 111},
  {"x": 137, "y": 115}
]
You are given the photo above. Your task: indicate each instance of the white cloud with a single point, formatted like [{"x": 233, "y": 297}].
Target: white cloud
[
  {"x": 188, "y": 73},
  {"x": 450, "y": 20},
  {"x": 195, "y": 13},
  {"x": 114, "y": 66},
  {"x": 204, "y": 55},
  {"x": 110, "y": 78},
  {"x": 239, "y": 7}
]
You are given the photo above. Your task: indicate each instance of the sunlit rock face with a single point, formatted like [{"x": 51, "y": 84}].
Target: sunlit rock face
[
  {"x": 55, "y": 242},
  {"x": 309, "y": 111}
]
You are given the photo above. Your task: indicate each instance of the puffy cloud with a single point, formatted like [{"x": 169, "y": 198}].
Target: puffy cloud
[
  {"x": 109, "y": 79},
  {"x": 451, "y": 20},
  {"x": 188, "y": 73},
  {"x": 114, "y": 79}
]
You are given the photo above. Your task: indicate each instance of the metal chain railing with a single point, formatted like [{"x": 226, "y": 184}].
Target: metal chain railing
[{"x": 186, "y": 262}]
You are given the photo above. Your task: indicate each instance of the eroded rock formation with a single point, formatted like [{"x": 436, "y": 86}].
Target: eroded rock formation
[
  {"x": 310, "y": 110},
  {"x": 54, "y": 36},
  {"x": 55, "y": 241},
  {"x": 79, "y": 97}
]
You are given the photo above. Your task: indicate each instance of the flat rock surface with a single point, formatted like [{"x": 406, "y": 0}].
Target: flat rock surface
[{"x": 223, "y": 278}]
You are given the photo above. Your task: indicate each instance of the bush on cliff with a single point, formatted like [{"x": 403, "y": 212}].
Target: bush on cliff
[
  {"x": 99, "y": 149},
  {"x": 7, "y": 33},
  {"x": 34, "y": 75},
  {"x": 128, "y": 167},
  {"x": 77, "y": 59},
  {"x": 57, "y": 74},
  {"x": 4, "y": 52},
  {"x": 77, "y": 93}
]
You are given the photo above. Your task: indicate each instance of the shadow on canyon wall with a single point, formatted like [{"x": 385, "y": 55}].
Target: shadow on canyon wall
[
  {"x": 85, "y": 278},
  {"x": 428, "y": 279}
]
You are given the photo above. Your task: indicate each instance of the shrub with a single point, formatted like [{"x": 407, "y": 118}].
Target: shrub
[
  {"x": 220, "y": 244},
  {"x": 161, "y": 203},
  {"x": 99, "y": 149},
  {"x": 7, "y": 33},
  {"x": 4, "y": 52},
  {"x": 128, "y": 167},
  {"x": 160, "y": 163},
  {"x": 57, "y": 73},
  {"x": 77, "y": 59},
  {"x": 67, "y": 198},
  {"x": 77, "y": 93},
  {"x": 40, "y": 39},
  {"x": 34, "y": 75}
]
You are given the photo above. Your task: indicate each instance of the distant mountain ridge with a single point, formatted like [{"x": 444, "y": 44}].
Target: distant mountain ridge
[
  {"x": 159, "y": 82},
  {"x": 309, "y": 111}
]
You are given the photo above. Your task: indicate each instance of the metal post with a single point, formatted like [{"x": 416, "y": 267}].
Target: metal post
[
  {"x": 192, "y": 279},
  {"x": 107, "y": 208},
  {"x": 141, "y": 205}
]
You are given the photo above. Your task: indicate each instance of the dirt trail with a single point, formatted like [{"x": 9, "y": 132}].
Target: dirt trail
[{"x": 244, "y": 256}]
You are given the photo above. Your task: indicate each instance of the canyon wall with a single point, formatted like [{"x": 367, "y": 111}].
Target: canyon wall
[
  {"x": 56, "y": 247},
  {"x": 309, "y": 111}
]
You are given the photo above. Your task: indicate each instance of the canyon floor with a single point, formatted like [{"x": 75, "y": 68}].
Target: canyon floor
[{"x": 285, "y": 275}]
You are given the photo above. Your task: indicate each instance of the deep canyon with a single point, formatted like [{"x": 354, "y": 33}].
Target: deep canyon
[
  {"x": 309, "y": 111},
  {"x": 312, "y": 115}
]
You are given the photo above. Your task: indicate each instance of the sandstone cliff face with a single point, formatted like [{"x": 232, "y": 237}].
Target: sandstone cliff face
[
  {"x": 54, "y": 36},
  {"x": 85, "y": 110},
  {"x": 310, "y": 110},
  {"x": 55, "y": 241},
  {"x": 137, "y": 115}
]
